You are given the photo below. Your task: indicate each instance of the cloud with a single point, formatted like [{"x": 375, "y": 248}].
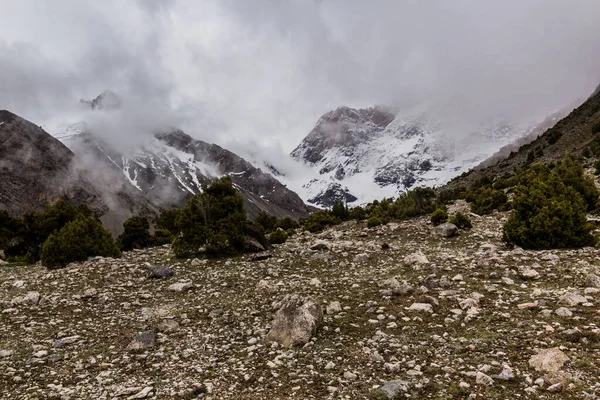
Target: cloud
[{"x": 263, "y": 71}]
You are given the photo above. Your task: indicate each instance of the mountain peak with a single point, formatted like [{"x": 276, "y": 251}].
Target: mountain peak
[{"x": 107, "y": 100}]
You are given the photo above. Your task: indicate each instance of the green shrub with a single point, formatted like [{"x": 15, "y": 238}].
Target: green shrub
[
  {"x": 318, "y": 221},
  {"x": 162, "y": 236},
  {"x": 596, "y": 128},
  {"x": 547, "y": 214},
  {"x": 287, "y": 223},
  {"x": 214, "y": 221},
  {"x": 357, "y": 213},
  {"x": 419, "y": 201},
  {"x": 136, "y": 234},
  {"x": 485, "y": 200},
  {"x": 372, "y": 222},
  {"x": 76, "y": 241},
  {"x": 462, "y": 221},
  {"x": 266, "y": 221},
  {"x": 439, "y": 216},
  {"x": 278, "y": 236}
]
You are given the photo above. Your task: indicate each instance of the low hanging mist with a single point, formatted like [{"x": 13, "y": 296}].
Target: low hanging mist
[{"x": 256, "y": 76}]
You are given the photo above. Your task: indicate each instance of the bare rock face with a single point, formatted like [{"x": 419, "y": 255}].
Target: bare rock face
[
  {"x": 548, "y": 360},
  {"x": 296, "y": 320}
]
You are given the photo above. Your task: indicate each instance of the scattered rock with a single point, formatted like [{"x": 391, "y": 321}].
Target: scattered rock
[
  {"x": 563, "y": 312},
  {"x": 319, "y": 245},
  {"x": 392, "y": 388},
  {"x": 557, "y": 387},
  {"x": 260, "y": 256},
  {"x": 5, "y": 353},
  {"x": 417, "y": 258},
  {"x": 181, "y": 286},
  {"x": 483, "y": 379},
  {"x": 361, "y": 258},
  {"x": 62, "y": 342},
  {"x": 159, "y": 272},
  {"x": 142, "y": 394},
  {"x": 296, "y": 320},
  {"x": 528, "y": 273},
  {"x": 168, "y": 326},
  {"x": 333, "y": 308},
  {"x": 421, "y": 307},
  {"x": 397, "y": 288},
  {"x": 142, "y": 341}
]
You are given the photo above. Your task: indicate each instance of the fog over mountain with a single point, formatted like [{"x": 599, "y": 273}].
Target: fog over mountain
[{"x": 255, "y": 76}]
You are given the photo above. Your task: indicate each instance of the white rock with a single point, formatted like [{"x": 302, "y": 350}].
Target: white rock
[
  {"x": 333, "y": 308},
  {"x": 417, "y": 258},
  {"x": 421, "y": 307},
  {"x": 563, "y": 312},
  {"x": 181, "y": 286},
  {"x": 142, "y": 394},
  {"x": 5, "y": 353},
  {"x": 528, "y": 273},
  {"x": 483, "y": 379},
  {"x": 548, "y": 360},
  {"x": 571, "y": 299}
]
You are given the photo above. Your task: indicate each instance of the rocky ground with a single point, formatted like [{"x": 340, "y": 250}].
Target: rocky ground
[{"x": 407, "y": 315}]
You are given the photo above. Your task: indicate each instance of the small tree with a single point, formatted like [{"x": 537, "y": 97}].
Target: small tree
[
  {"x": 214, "y": 220},
  {"x": 167, "y": 219},
  {"x": 76, "y": 241},
  {"x": 136, "y": 234},
  {"x": 162, "y": 236},
  {"x": 340, "y": 210},
  {"x": 439, "y": 216}
]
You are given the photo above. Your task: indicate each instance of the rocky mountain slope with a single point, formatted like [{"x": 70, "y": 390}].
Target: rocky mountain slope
[
  {"x": 572, "y": 134},
  {"x": 36, "y": 169},
  {"x": 423, "y": 317},
  {"x": 373, "y": 153}
]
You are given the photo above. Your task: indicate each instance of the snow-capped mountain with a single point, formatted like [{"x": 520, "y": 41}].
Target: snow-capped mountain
[
  {"x": 359, "y": 155},
  {"x": 168, "y": 168},
  {"x": 172, "y": 167}
]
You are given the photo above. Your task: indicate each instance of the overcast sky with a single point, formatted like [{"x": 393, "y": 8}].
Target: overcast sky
[{"x": 237, "y": 71}]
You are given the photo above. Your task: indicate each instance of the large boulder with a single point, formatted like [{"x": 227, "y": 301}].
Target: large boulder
[
  {"x": 296, "y": 320},
  {"x": 548, "y": 360},
  {"x": 417, "y": 258},
  {"x": 255, "y": 239},
  {"x": 592, "y": 281},
  {"x": 446, "y": 230}
]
